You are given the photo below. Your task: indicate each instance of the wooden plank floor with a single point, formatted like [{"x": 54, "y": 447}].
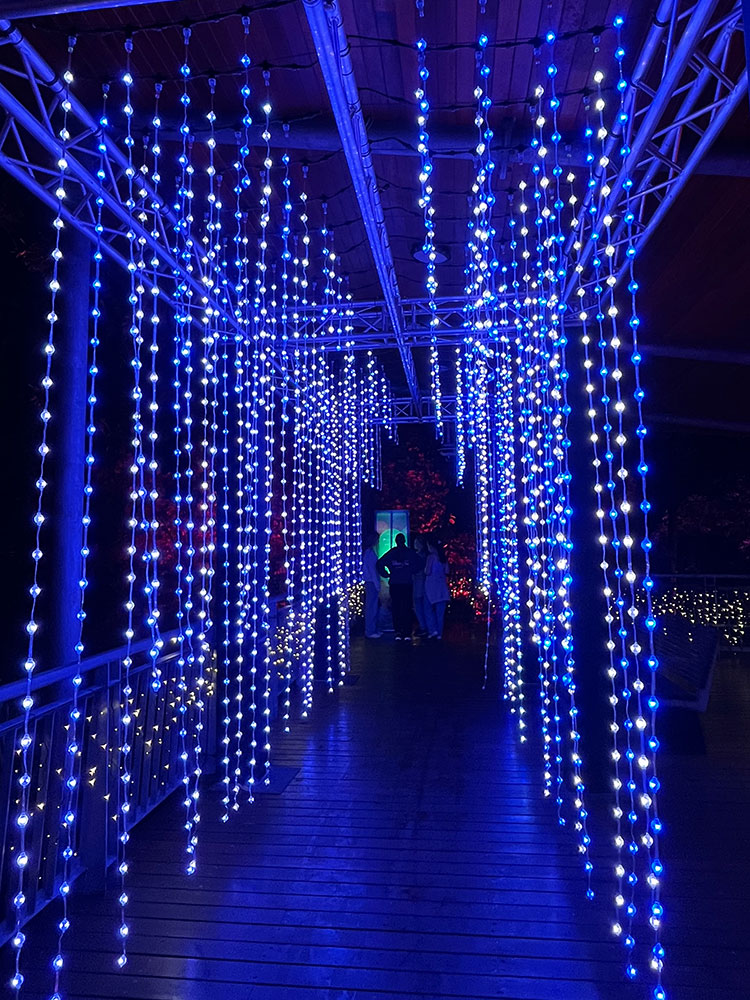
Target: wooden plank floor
[{"x": 413, "y": 856}]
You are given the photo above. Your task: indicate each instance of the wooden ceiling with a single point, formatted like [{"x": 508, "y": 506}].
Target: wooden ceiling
[
  {"x": 382, "y": 34},
  {"x": 691, "y": 294}
]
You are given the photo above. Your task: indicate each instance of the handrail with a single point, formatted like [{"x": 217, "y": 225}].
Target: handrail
[
  {"x": 39, "y": 681},
  {"x": 52, "y": 706},
  {"x": 155, "y": 754},
  {"x": 100, "y": 705}
]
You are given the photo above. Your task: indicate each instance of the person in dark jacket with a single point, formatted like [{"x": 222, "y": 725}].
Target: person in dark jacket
[{"x": 399, "y": 565}]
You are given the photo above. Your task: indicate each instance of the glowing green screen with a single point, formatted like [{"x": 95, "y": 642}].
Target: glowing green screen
[{"x": 388, "y": 524}]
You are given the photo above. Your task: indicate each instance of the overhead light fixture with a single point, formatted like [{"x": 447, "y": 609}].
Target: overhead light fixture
[{"x": 441, "y": 254}]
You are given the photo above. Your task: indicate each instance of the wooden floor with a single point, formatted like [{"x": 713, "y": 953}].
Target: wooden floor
[{"x": 413, "y": 856}]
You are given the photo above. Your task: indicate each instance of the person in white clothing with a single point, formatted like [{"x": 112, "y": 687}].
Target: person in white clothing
[
  {"x": 372, "y": 585},
  {"x": 436, "y": 589}
]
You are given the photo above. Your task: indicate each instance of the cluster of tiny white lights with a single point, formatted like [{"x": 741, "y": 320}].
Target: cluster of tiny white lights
[{"x": 428, "y": 209}]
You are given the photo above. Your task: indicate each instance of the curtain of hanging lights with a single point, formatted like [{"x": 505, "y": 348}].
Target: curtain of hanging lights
[
  {"x": 254, "y": 424},
  {"x": 569, "y": 273}
]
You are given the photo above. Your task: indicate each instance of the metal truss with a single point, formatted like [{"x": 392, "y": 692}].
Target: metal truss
[
  {"x": 406, "y": 411},
  {"x": 43, "y": 8},
  {"x": 369, "y": 324},
  {"x": 374, "y": 317},
  {"x": 31, "y": 94},
  {"x": 687, "y": 83},
  {"x": 674, "y": 115},
  {"x": 370, "y": 329}
]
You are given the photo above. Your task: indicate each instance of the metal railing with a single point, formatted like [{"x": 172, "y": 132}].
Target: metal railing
[
  {"x": 154, "y": 761},
  {"x": 153, "y": 758}
]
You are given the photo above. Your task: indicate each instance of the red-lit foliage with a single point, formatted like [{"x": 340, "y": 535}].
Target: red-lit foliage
[
  {"x": 418, "y": 480},
  {"x": 412, "y": 482}
]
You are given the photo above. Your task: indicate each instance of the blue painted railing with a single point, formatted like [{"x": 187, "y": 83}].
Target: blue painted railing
[
  {"x": 152, "y": 764},
  {"x": 154, "y": 761}
]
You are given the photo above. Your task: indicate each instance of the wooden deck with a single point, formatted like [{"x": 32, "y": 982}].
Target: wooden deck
[{"x": 413, "y": 856}]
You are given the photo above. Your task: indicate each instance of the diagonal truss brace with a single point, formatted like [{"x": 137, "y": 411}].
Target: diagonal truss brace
[
  {"x": 672, "y": 121},
  {"x": 30, "y": 146},
  {"x": 708, "y": 96},
  {"x": 406, "y": 411}
]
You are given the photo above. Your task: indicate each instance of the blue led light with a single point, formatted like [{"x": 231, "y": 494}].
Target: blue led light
[
  {"x": 272, "y": 388},
  {"x": 23, "y": 818},
  {"x": 428, "y": 247},
  {"x": 125, "y": 719}
]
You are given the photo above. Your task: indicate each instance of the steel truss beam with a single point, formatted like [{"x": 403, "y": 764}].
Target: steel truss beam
[
  {"x": 671, "y": 123},
  {"x": 373, "y": 319},
  {"x": 695, "y": 97},
  {"x": 332, "y": 47},
  {"x": 374, "y": 316},
  {"x": 44, "y": 8},
  {"x": 405, "y": 411},
  {"x": 370, "y": 331},
  {"x": 30, "y": 147},
  {"x": 398, "y": 138}
]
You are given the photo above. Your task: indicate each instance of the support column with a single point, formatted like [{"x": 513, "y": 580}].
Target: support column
[{"x": 70, "y": 374}]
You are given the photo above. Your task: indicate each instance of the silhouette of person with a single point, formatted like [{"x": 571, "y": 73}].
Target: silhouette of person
[{"x": 398, "y": 565}]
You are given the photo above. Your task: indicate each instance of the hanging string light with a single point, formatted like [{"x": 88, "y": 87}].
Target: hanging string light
[
  {"x": 552, "y": 274},
  {"x": 532, "y": 441},
  {"x": 428, "y": 210},
  {"x": 288, "y": 515},
  {"x": 649, "y": 742},
  {"x": 241, "y": 345},
  {"x": 546, "y": 489},
  {"x": 308, "y": 596},
  {"x": 208, "y": 383},
  {"x": 503, "y": 499},
  {"x": 184, "y": 523},
  {"x": 72, "y": 748},
  {"x": 328, "y": 460},
  {"x": 284, "y": 414},
  {"x": 351, "y": 421},
  {"x": 641, "y": 750},
  {"x": 243, "y": 387},
  {"x": 125, "y": 720},
  {"x": 614, "y": 534},
  {"x": 226, "y": 579},
  {"x": 151, "y": 493},
  {"x": 461, "y": 422},
  {"x": 267, "y": 357}
]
